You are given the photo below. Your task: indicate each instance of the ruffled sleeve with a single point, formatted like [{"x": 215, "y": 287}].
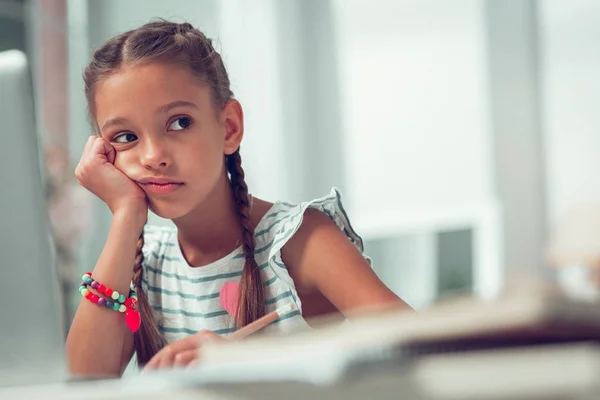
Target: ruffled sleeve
[
  {"x": 280, "y": 224},
  {"x": 284, "y": 220}
]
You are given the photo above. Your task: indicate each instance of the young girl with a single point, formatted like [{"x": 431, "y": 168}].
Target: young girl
[{"x": 168, "y": 139}]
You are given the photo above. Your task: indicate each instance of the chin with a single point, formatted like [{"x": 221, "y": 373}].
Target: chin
[{"x": 169, "y": 211}]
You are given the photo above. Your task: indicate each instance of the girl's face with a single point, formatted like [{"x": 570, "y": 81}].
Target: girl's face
[{"x": 168, "y": 137}]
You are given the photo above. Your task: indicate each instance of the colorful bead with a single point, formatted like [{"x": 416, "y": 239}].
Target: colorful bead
[
  {"x": 130, "y": 302},
  {"x": 115, "y": 301}
]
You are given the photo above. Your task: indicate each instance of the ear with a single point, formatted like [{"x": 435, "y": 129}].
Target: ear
[{"x": 233, "y": 122}]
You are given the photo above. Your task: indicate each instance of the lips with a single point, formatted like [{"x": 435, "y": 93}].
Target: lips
[
  {"x": 160, "y": 185},
  {"x": 161, "y": 188}
]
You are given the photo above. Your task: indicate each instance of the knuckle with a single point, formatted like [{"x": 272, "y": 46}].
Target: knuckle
[
  {"x": 80, "y": 170},
  {"x": 79, "y": 175}
]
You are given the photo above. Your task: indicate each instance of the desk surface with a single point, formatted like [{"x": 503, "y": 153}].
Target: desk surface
[{"x": 568, "y": 372}]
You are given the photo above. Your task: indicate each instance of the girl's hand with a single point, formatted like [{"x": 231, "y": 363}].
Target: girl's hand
[
  {"x": 181, "y": 353},
  {"x": 96, "y": 172}
]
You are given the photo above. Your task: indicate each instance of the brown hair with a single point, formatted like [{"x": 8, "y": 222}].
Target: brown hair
[{"x": 164, "y": 41}]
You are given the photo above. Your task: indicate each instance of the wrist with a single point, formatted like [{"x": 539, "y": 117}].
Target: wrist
[{"x": 130, "y": 217}]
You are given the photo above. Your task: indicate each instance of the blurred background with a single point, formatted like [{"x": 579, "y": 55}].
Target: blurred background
[{"x": 460, "y": 132}]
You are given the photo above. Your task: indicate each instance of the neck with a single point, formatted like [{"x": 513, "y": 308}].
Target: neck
[{"x": 212, "y": 230}]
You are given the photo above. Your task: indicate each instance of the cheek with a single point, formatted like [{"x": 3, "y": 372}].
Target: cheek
[
  {"x": 206, "y": 153},
  {"x": 125, "y": 162},
  {"x": 205, "y": 163}
]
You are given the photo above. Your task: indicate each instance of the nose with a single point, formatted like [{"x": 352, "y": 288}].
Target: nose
[{"x": 155, "y": 154}]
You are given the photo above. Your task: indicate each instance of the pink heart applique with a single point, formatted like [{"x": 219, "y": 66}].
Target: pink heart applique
[{"x": 229, "y": 297}]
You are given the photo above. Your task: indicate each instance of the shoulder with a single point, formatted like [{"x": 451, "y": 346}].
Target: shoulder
[
  {"x": 282, "y": 221},
  {"x": 260, "y": 208},
  {"x": 323, "y": 232},
  {"x": 327, "y": 255}
]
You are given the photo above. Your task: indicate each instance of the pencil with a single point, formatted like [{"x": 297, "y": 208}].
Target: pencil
[{"x": 260, "y": 323}]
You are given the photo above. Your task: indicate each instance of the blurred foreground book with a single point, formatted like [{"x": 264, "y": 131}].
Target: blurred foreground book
[{"x": 535, "y": 317}]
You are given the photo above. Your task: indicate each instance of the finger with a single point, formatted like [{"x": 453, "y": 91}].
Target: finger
[
  {"x": 167, "y": 358},
  {"x": 97, "y": 147},
  {"x": 88, "y": 143},
  {"x": 152, "y": 363},
  {"x": 84, "y": 155},
  {"x": 111, "y": 154},
  {"x": 189, "y": 343},
  {"x": 103, "y": 148},
  {"x": 208, "y": 336},
  {"x": 155, "y": 360},
  {"x": 185, "y": 358},
  {"x": 87, "y": 147}
]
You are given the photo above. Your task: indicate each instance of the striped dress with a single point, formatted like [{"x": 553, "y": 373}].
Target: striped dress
[{"x": 186, "y": 298}]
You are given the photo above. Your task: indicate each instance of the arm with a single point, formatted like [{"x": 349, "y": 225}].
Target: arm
[
  {"x": 96, "y": 330},
  {"x": 319, "y": 256},
  {"x": 99, "y": 342}
]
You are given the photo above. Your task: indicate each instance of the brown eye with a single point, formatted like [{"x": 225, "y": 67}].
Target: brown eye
[
  {"x": 125, "y": 138},
  {"x": 180, "y": 124}
]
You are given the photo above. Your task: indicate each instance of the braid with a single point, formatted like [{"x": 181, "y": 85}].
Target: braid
[
  {"x": 148, "y": 339},
  {"x": 252, "y": 293}
]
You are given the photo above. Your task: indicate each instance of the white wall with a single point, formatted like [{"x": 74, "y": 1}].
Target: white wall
[
  {"x": 415, "y": 105},
  {"x": 417, "y": 135},
  {"x": 518, "y": 148},
  {"x": 569, "y": 39},
  {"x": 248, "y": 33}
]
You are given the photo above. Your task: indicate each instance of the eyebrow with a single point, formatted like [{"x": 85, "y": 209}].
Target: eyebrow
[
  {"x": 174, "y": 104},
  {"x": 162, "y": 109},
  {"x": 114, "y": 121}
]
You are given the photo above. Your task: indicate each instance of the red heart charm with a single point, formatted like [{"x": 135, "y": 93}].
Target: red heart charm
[
  {"x": 229, "y": 296},
  {"x": 133, "y": 319}
]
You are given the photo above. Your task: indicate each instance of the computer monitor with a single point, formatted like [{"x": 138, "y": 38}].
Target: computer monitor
[{"x": 31, "y": 320}]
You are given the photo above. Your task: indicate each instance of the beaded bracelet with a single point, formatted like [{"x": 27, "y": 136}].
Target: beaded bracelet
[{"x": 118, "y": 301}]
